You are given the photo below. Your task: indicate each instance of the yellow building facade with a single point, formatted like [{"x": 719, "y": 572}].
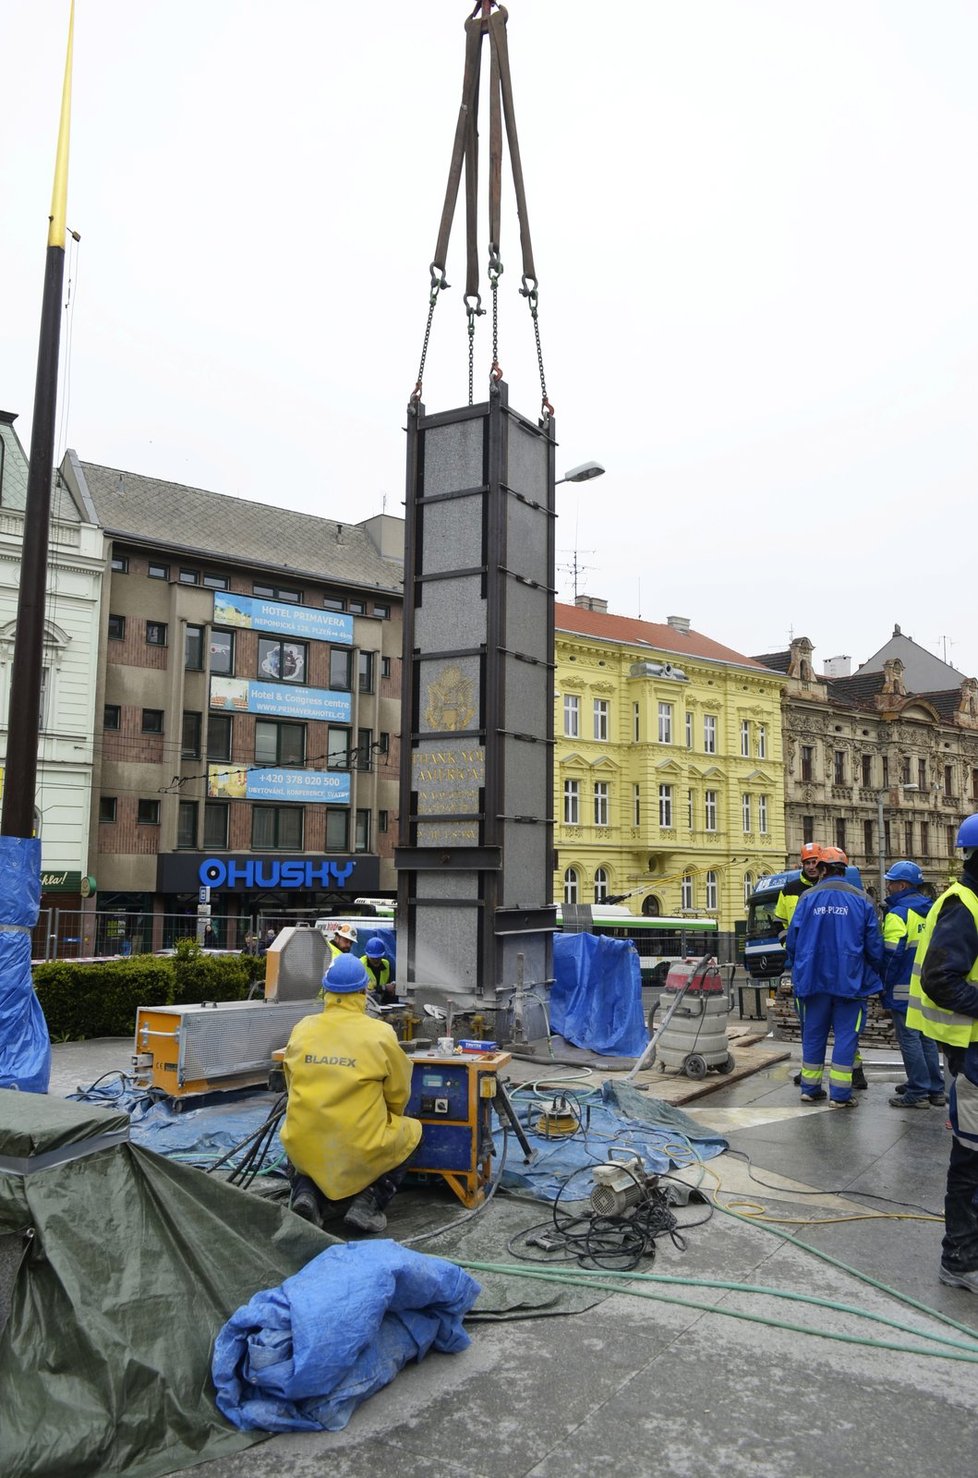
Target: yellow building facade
[{"x": 668, "y": 774}]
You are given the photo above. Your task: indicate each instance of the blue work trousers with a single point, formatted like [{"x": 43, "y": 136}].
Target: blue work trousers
[
  {"x": 921, "y": 1060},
  {"x": 819, "y": 1015}
]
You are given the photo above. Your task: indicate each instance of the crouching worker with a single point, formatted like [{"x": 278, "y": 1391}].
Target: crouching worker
[{"x": 348, "y": 1083}]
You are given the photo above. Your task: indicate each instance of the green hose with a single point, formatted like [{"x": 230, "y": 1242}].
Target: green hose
[{"x": 582, "y": 1276}]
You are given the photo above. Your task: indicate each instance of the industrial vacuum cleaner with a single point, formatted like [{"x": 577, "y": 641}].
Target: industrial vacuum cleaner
[{"x": 691, "y": 1038}]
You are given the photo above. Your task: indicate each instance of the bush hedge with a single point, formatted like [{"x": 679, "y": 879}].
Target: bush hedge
[{"x": 99, "y": 998}]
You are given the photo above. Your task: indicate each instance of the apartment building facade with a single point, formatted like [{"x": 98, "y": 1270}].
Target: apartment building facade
[
  {"x": 247, "y": 709},
  {"x": 669, "y": 780}
]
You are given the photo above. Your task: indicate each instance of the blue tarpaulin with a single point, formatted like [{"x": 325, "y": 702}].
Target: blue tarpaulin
[
  {"x": 616, "y": 1117},
  {"x": 596, "y": 1000},
  {"x": 25, "y": 1047},
  {"x": 301, "y": 1357}
]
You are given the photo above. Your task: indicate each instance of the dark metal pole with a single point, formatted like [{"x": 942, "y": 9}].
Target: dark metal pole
[{"x": 25, "y": 689}]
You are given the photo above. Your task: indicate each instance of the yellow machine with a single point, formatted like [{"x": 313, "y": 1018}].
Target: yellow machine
[{"x": 453, "y": 1096}]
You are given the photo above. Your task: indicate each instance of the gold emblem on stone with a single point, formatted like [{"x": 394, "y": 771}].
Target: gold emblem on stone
[{"x": 451, "y": 701}]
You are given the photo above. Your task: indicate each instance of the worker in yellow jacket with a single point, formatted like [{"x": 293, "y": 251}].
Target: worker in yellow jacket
[{"x": 348, "y": 1082}]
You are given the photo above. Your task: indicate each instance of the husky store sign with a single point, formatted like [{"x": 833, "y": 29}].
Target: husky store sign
[{"x": 256, "y": 873}]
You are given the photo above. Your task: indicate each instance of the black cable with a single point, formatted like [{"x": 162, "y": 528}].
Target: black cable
[
  {"x": 278, "y": 1109},
  {"x": 608, "y": 1243},
  {"x": 845, "y": 1192}
]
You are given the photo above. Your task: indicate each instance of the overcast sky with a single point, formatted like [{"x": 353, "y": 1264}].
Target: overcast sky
[{"x": 756, "y": 232}]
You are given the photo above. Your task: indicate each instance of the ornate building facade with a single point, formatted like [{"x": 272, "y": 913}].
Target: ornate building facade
[
  {"x": 873, "y": 766},
  {"x": 668, "y": 779}
]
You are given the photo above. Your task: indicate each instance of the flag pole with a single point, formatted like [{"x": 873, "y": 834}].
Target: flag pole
[
  {"x": 24, "y": 713},
  {"x": 25, "y": 1045}
]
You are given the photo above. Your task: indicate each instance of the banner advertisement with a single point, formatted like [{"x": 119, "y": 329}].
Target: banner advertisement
[
  {"x": 282, "y": 618},
  {"x": 278, "y": 700},
  {"x": 307, "y": 787}
]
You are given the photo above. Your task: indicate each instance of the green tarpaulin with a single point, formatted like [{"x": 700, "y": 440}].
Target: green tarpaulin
[{"x": 130, "y": 1266}]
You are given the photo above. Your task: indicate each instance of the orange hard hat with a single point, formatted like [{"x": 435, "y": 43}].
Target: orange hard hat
[
  {"x": 834, "y": 855},
  {"x": 810, "y": 850}
]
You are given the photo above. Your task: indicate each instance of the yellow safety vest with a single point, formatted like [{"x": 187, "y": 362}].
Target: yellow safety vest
[
  {"x": 923, "y": 1014},
  {"x": 785, "y": 907}
]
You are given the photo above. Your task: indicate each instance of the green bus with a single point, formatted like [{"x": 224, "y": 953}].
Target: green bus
[{"x": 660, "y": 941}]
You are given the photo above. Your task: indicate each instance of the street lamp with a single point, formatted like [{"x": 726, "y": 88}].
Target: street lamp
[
  {"x": 584, "y": 473},
  {"x": 880, "y": 794}
]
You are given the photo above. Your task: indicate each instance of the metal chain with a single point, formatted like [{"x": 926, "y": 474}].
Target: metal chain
[
  {"x": 495, "y": 272},
  {"x": 433, "y": 299},
  {"x": 471, "y": 353},
  {"x": 533, "y": 297}
]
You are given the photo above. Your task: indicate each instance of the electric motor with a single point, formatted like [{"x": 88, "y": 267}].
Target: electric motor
[{"x": 620, "y": 1186}]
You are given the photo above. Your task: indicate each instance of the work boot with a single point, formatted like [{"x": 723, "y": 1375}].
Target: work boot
[
  {"x": 938, "y": 1099},
  {"x": 365, "y": 1214},
  {"x": 814, "y": 1095},
  {"x": 304, "y": 1204},
  {"x": 901, "y": 1100},
  {"x": 901, "y": 1088},
  {"x": 859, "y": 1077},
  {"x": 844, "y": 1103},
  {"x": 797, "y": 1080},
  {"x": 968, "y": 1280}
]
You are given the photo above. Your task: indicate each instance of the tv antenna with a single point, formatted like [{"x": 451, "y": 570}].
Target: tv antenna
[
  {"x": 575, "y": 568},
  {"x": 946, "y": 642}
]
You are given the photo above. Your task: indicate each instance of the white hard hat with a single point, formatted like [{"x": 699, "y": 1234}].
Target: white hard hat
[{"x": 346, "y": 931}]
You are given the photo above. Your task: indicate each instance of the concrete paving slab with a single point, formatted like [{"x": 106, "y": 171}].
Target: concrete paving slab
[{"x": 652, "y": 1388}]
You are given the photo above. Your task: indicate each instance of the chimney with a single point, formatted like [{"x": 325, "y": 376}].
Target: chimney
[
  {"x": 837, "y": 667},
  {"x": 590, "y": 603},
  {"x": 679, "y": 623}
]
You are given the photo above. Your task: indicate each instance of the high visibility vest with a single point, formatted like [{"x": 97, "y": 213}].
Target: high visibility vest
[
  {"x": 379, "y": 978},
  {"x": 900, "y": 928},
  {"x": 923, "y": 1014},
  {"x": 784, "y": 908}
]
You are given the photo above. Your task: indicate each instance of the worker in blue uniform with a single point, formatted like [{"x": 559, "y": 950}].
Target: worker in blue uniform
[
  {"x": 944, "y": 1005},
  {"x": 835, "y": 953},
  {"x": 907, "y": 906}
]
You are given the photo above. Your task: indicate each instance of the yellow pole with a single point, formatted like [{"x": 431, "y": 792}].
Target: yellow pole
[{"x": 59, "y": 194}]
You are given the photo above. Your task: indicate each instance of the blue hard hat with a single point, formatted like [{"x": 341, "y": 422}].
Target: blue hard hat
[
  {"x": 968, "y": 832},
  {"x": 375, "y": 949},
  {"x": 904, "y": 872},
  {"x": 345, "y": 975}
]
